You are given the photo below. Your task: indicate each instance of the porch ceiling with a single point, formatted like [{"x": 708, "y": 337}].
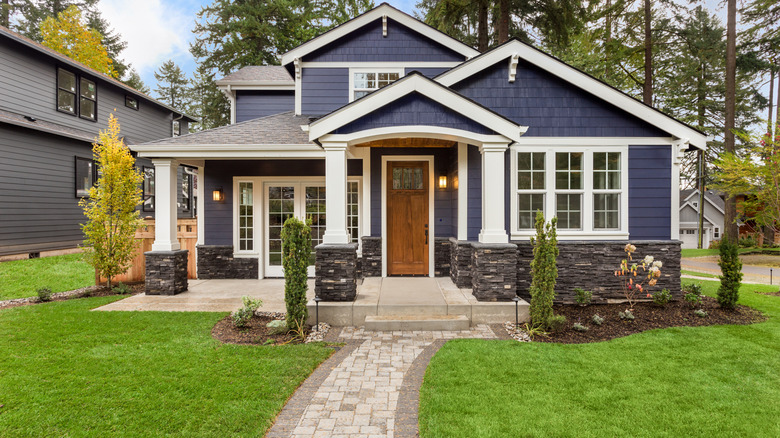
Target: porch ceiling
[{"x": 409, "y": 143}]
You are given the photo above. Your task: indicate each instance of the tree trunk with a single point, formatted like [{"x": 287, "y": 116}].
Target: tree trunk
[
  {"x": 701, "y": 96},
  {"x": 701, "y": 200},
  {"x": 732, "y": 230},
  {"x": 482, "y": 27},
  {"x": 5, "y": 13},
  {"x": 777, "y": 108},
  {"x": 503, "y": 22},
  {"x": 769, "y": 125},
  {"x": 647, "y": 95},
  {"x": 608, "y": 41}
]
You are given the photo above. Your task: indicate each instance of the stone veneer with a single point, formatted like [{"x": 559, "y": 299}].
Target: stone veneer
[
  {"x": 494, "y": 271},
  {"x": 336, "y": 272},
  {"x": 441, "y": 257},
  {"x": 460, "y": 262},
  {"x": 591, "y": 265},
  {"x": 371, "y": 263},
  {"x": 217, "y": 262},
  {"x": 166, "y": 272}
]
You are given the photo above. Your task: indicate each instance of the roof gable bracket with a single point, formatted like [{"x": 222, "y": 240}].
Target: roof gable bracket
[
  {"x": 513, "y": 60},
  {"x": 384, "y": 25},
  {"x": 297, "y": 63}
]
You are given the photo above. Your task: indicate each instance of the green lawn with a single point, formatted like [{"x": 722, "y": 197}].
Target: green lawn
[
  {"x": 23, "y": 278},
  {"x": 707, "y": 381},
  {"x": 66, "y": 371}
]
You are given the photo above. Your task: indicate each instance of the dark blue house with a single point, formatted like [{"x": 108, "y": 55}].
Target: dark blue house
[{"x": 414, "y": 154}]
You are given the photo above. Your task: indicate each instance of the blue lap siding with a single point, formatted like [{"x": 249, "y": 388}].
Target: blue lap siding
[
  {"x": 649, "y": 192},
  {"x": 324, "y": 90},
  {"x": 260, "y": 103}
]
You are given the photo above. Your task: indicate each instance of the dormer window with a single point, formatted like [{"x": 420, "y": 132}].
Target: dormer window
[{"x": 364, "y": 81}]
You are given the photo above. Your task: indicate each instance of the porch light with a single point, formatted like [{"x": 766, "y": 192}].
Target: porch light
[
  {"x": 218, "y": 195},
  {"x": 442, "y": 181}
]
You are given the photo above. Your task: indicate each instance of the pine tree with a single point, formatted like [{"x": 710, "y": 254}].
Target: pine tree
[
  {"x": 172, "y": 85},
  {"x": 133, "y": 79},
  {"x": 207, "y": 102},
  {"x": 731, "y": 274}
]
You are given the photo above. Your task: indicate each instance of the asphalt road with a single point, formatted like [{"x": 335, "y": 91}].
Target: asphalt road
[{"x": 756, "y": 274}]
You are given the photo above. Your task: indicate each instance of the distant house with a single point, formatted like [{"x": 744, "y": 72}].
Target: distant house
[
  {"x": 414, "y": 154},
  {"x": 51, "y": 109},
  {"x": 714, "y": 213}
]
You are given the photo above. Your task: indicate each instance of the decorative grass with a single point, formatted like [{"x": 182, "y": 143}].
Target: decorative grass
[
  {"x": 700, "y": 382},
  {"x": 67, "y": 371},
  {"x": 23, "y": 278}
]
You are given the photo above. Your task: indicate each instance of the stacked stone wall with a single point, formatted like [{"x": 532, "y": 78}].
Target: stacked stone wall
[
  {"x": 442, "y": 257},
  {"x": 166, "y": 272},
  {"x": 217, "y": 262},
  {"x": 494, "y": 275},
  {"x": 336, "y": 272}
]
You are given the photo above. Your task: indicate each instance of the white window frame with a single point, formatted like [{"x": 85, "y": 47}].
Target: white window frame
[
  {"x": 607, "y": 191},
  {"x": 531, "y": 191},
  {"x": 569, "y": 191},
  {"x": 587, "y": 232},
  {"x": 374, "y": 69}
]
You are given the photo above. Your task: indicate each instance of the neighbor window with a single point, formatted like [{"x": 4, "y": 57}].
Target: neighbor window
[
  {"x": 86, "y": 176},
  {"x": 76, "y": 95},
  {"x": 365, "y": 82},
  {"x": 716, "y": 233},
  {"x": 131, "y": 102},
  {"x": 148, "y": 188}
]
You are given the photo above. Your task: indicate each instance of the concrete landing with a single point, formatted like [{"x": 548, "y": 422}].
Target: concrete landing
[{"x": 387, "y": 323}]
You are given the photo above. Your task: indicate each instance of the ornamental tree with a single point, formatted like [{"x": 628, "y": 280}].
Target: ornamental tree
[{"x": 112, "y": 217}]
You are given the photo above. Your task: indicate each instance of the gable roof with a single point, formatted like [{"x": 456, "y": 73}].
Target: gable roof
[
  {"x": 367, "y": 17},
  {"x": 578, "y": 79},
  {"x": 415, "y": 82},
  {"x": 258, "y": 75},
  {"x": 59, "y": 57},
  {"x": 712, "y": 196}
]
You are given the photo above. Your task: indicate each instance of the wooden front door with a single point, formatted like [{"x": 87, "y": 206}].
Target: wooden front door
[{"x": 407, "y": 218}]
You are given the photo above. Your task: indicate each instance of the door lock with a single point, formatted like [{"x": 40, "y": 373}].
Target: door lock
[{"x": 426, "y": 234}]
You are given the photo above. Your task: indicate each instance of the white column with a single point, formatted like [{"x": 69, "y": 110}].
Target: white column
[
  {"x": 335, "y": 193},
  {"x": 493, "y": 193},
  {"x": 201, "y": 218},
  {"x": 463, "y": 191},
  {"x": 678, "y": 153},
  {"x": 165, "y": 205}
]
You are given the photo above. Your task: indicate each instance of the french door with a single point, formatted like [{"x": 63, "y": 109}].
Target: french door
[{"x": 285, "y": 199}]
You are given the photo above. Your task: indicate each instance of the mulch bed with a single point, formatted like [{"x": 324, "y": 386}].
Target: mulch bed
[
  {"x": 85, "y": 292},
  {"x": 255, "y": 333},
  {"x": 648, "y": 316}
]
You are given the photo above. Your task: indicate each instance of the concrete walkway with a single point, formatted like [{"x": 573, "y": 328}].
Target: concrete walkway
[
  {"x": 370, "y": 388},
  {"x": 751, "y": 274}
]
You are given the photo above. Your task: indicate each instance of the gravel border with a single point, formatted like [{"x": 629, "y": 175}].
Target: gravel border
[{"x": 59, "y": 295}]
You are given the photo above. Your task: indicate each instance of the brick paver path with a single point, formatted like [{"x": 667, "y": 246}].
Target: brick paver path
[{"x": 367, "y": 389}]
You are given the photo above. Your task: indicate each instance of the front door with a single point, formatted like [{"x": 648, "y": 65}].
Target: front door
[{"x": 407, "y": 218}]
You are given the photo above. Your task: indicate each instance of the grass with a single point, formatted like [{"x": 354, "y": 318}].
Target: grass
[
  {"x": 23, "y": 278},
  {"x": 697, "y": 274},
  {"x": 706, "y": 381},
  {"x": 66, "y": 371}
]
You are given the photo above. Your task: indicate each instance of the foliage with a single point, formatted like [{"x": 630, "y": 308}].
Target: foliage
[
  {"x": 544, "y": 272},
  {"x": 579, "y": 327},
  {"x": 69, "y": 35},
  {"x": 112, "y": 217},
  {"x": 171, "y": 85},
  {"x": 629, "y": 270},
  {"x": 597, "y": 319},
  {"x": 701, "y": 313},
  {"x": 277, "y": 326},
  {"x": 296, "y": 249},
  {"x": 747, "y": 242},
  {"x": 626, "y": 315},
  {"x": 242, "y": 316},
  {"x": 44, "y": 294},
  {"x": 133, "y": 79},
  {"x": 206, "y": 101},
  {"x": 662, "y": 297},
  {"x": 693, "y": 295},
  {"x": 556, "y": 323},
  {"x": 731, "y": 275},
  {"x": 583, "y": 297},
  {"x": 122, "y": 289}
]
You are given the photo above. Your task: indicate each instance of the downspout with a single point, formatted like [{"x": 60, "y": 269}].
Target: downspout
[{"x": 176, "y": 120}]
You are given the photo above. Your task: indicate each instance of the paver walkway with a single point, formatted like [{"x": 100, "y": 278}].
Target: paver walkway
[{"x": 369, "y": 388}]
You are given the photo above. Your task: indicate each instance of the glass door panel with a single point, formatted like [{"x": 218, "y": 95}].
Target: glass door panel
[
  {"x": 315, "y": 211},
  {"x": 281, "y": 206}
]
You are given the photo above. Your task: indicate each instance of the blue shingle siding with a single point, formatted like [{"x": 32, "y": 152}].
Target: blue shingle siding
[
  {"x": 323, "y": 90},
  {"x": 427, "y": 72},
  {"x": 260, "y": 103},
  {"x": 368, "y": 45},
  {"x": 549, "y": 106},
  {"x": 649, "y": 192},
  {"x": 475, "y": 193},
  {"x": 414, "y": 109}
]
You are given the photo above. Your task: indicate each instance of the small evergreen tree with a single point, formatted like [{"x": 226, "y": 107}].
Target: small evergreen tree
[
  {"x": 544, "y": 272},
  {"x": 296, "y": 249},
  {"x": 731, "y": 274},
  {"x": 172, "y": 87},
  {"x": 112, "y": 218}
]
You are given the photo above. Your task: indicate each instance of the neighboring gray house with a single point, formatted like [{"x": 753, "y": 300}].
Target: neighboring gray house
[
  {"x": 51, "y": 109},
  {"x": 714, "y": 212}
]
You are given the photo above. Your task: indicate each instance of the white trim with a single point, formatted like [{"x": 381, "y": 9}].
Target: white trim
[
  {"x": 493, "y": 193},
  {"x": 415, "y": 131},
  {"x": 280, "y": 151},
  {"x": 368, "y": 18},
  {"x": 231, "y": 97},
  {"x": 578, "y": 79},
  {"x": 256, "y": 85},
  {"x": 201, "y": 218},
  {"x": 384, "y": 25},
  {"x": 513, "y": 60},
  {"x": 365, "y": 213},
  {"x": 377, "y": 70},
  {"x": 595, "y": 141},
  {"x": 431, "y": 208},
  {"x": 678, "y": 152},
  {"x": 298, "y": 94},
  {"x": 380, "y": 64},
  {"x": 420, "y": 84},
  {"x": 463, "y": 191},
  {"x": 706, "y": 198}
]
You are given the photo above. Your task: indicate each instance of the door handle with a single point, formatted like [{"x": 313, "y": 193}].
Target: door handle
[{"x": 426, "y": 234}]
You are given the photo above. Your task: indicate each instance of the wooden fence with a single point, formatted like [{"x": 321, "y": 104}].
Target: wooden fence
[{"x": 188, "y": 238}]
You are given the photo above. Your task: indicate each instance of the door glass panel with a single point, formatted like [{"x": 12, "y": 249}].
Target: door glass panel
[
  {"x": 281, "y": 206},
  {"x": 397, "y": 178},
  {"x": 315, "y": 211}
]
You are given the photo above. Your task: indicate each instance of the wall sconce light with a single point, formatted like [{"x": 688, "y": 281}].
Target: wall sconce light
[
  {"x": 218, "y": 195},
  {"x": 442, "y": 181}
]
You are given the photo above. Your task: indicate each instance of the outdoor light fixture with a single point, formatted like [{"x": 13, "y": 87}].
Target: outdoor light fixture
[
  {"x": 317, "y": 300},
  {"x": 517, "y": 299},
  {"x": 442, "y": 181},
  {"x": 218, "y": 195}
]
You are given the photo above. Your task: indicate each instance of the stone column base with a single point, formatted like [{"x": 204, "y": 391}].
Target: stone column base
[
  {"x": 335, "y": 270},
  {"x": 460, "y": 262},
  {"x": 372, "y": 256},
  {"x": 494, "y": 267},
  {"x": 442, "y": 259},
  {"x": 166, "y": 272}
]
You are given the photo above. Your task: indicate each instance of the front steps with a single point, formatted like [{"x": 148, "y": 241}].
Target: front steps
[{"x": 386, "y": 323}]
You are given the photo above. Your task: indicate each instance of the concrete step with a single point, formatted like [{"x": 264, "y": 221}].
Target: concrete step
[{"x": 416, "y": 322}]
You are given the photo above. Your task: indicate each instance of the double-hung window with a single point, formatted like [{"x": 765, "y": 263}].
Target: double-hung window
[
  {"x": 606, "y": 190},
  {"x": 365, "y": 81},
  {"x": 86, "y": 176},
  {"x": 76, "y": 95},
  {"x": 530, "y": 187},
  {"x": 568, "y": 189}
]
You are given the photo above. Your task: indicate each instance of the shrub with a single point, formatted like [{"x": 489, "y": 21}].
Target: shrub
[
  {"x": 731, "y": 275},
  {"x": 701, "y": 313},
  {"x": 242, "y": 316},
  {"x": 627, "y": 315},
  {"x": 598, "y": 320},
  {"x": 747, "y": 242},
  {"x": 44, "y": 294},
  {"x": 662, "y": 297},
  {"x": 693, "y": 293},
  {"x": 579, "y": 327},
  {"x": 122, "y": 289},
  {"x": 296, "y": 250},
  {"x": 583, "y": 297},
  {"x": 544, "y": 272},
  {"x": 556, "y": 323}
]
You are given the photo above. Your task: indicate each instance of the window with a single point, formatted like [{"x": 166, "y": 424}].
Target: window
[
  {"x": 186, "y": 189},
  {"x": 606, "y": 190},
  {"x": 86, "y": 176},
  {"x": 148, "y": 189},
  {"x": 690, "y": 231},
  {"x": 364, "y": 82},
  {"x": 175, "y": 128},
  {"x": 695, "y": 204},
  {"x": 716, "y": 233},
  {"x": 408, "y": 178},
  {"x": 353, "y": 214},
  {"x": 315, "y": 212},
  {"x": 246, "y": 217},
  {"x": 69, "y": 86},
  {"x": 131, "y": 102},
  {"x": 88, "y": 100},
  {"x": 568, "y": 189},
  {"x": 66, "y": 91},
  {"x": 530, "y": 187}
]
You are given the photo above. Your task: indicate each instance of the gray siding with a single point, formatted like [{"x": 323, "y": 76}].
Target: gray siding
[
  {"x": 323, "y": 90},
  {"x": 369, "y": 45},
  {"x": 649, "y": 192},
  {"x": 260, "y": 103},
  {"x": 28, "y": 87}
]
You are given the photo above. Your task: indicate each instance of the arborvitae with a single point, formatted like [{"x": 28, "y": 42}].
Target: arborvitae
[
  {"x": 731, "y": 274},
  {"x": 544, "y": 272},
  {"x": 296, "y": 250}
]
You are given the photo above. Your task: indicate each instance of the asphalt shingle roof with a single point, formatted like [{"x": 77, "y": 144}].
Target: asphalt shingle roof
[
  {"x": 42, "y": 125},
  {"x": 712, "y": 195},
  {"x": 284, "y": 128},
  {"x": 265, "y": 73}
]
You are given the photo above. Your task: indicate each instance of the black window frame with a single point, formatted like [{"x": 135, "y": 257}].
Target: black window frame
[
  {"x": 147, "y": 195},
  {"x": 76, "y": 174},
  {"x": 74, "y": 93},
  {"x": 134, "y": 99},
  {"x": 81, "y": 96},
  {"x": 77, "y": 97}
]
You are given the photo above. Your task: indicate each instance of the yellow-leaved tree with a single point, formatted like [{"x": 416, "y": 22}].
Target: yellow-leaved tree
[
  {"x": 69, "y": 35},
  {"x": 112, "y": 217}
]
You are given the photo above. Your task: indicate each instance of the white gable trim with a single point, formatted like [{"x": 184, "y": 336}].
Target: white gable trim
[
  {"x": 414, "y": 131},
  {"x": 426, "y": 87},
  {"x": 578, "y": 79},
  {"x": 383, "y": 10},
  {"x": 696, "y": 193}
]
